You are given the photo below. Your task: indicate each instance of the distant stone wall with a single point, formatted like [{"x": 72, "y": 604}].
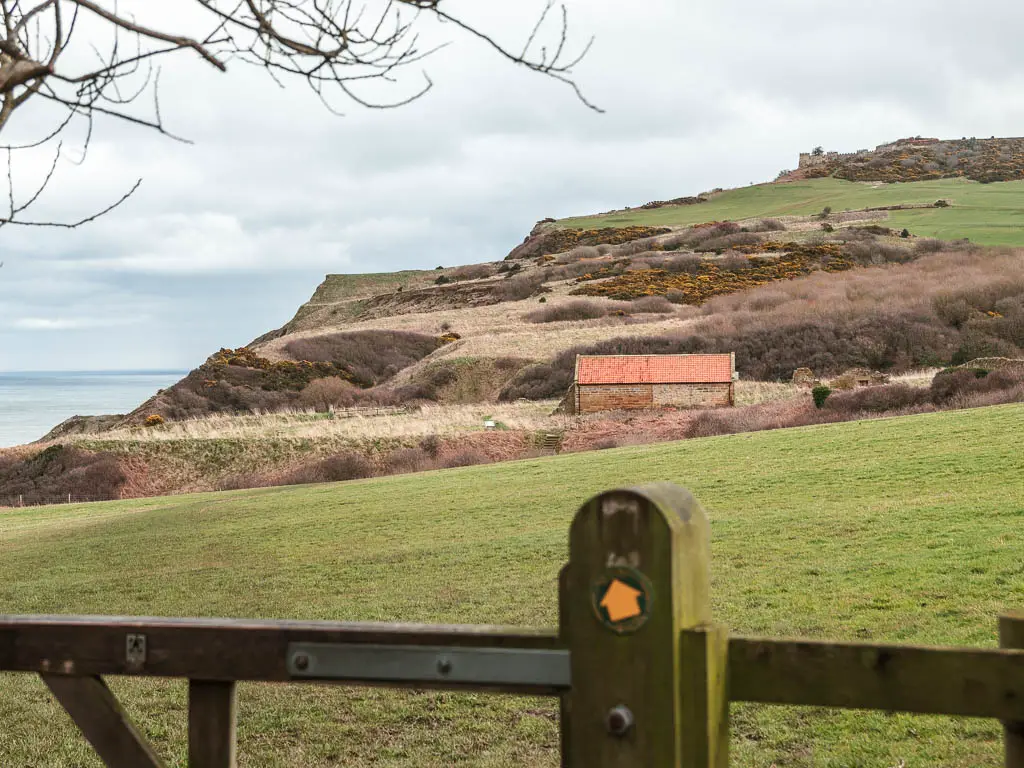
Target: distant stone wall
[{"x": 996, "y": 364}]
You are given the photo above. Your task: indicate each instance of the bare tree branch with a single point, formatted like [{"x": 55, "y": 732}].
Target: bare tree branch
[{"x": 331, "y": 45}]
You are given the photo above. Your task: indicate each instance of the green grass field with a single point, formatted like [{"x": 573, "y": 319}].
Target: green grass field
[
  {"x": 989, "y": 214},
  {"x": 903, "y": 530}
]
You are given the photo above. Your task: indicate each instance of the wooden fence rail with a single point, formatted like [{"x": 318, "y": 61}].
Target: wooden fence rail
[{"x": 643, "y": 674}]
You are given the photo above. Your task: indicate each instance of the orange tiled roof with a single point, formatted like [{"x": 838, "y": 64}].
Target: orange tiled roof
[{"x": 654, "y": 369}]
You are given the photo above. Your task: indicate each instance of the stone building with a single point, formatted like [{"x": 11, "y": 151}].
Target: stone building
[{"x": 612, "y": 382}]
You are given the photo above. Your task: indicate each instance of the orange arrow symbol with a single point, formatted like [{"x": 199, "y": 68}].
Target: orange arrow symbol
[{"x": 620, "y": 601}]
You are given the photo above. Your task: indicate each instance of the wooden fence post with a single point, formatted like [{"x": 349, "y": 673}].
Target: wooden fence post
[
  {"x": 648, "y": 669},
  {"x": 1011, "y": 635},
  {"x": 211, "y": 724}
]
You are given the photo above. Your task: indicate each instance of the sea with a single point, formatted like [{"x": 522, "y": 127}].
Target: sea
[{"x": 31, "y": 404}]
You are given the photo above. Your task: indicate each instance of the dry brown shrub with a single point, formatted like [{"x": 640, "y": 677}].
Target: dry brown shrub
[
  {"x": 890, "y": 397},
  {"x": 324, "y": 394},
  {"x": 372, "y": 356},
  {"x": 406, "y": 460},
  {"x": 928, "y": 245},
  {"x": 568, "y": 311},
  {"x": 948, "y": 386},
  {"x": 519, "y": 287},
  {"x": 653, "y": 305},
  {"x": 881, "y": 318},
  {"x": 582, "y": 252},
  {"x": 473, "y": 272},
  {"x": 431, "y": 445},
  {"x": 342, "y": 466},
  {"x": 571, "y": 271},
  {"x": 732, "y": 261},
  {"x": 729, "y": 241},
  {"x": 468, "y": 457},
  {"x": 51, "y": 475}
]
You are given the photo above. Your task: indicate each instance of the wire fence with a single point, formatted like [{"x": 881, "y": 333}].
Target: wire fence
[{"x": 32, "y": 500}]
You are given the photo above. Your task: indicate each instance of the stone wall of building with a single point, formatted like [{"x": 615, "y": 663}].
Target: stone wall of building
[{"x": 591, "y": 398}]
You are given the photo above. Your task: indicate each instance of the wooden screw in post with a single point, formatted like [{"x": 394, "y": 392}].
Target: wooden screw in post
[
  {"x": 1011, "y": 635},
  {"x": 648, "y": 669}
]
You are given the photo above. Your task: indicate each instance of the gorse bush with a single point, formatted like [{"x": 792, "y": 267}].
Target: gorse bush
[{"x": 820, "y": 395}]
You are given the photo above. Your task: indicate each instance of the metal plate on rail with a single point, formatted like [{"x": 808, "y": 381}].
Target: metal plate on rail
[{"x": 413, "y": 664}]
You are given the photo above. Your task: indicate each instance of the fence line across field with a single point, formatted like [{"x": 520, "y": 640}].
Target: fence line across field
[
  {"x": 643, "y": 674},
  {"x": 17, "y": 502}
]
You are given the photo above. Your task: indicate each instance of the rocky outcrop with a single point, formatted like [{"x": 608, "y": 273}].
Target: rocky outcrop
[{"x": 984, "y": 160}]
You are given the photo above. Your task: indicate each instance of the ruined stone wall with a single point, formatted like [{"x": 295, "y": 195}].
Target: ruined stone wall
[{"x": 807, "y": 160}]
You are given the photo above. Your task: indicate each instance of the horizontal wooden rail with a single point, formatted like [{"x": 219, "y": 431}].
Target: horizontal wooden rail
[
  {"x": 969, "y": 682},
  {"x": 951, "y": 681},
  {"x": 235, "y": 649}
]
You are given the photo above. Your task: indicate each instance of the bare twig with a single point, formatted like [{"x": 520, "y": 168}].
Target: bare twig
[{"x": 328, "y": 44}]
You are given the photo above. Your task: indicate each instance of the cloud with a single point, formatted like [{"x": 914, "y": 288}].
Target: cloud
[
  {"x": 227, "y": 236},
  {"x": 67, "y": 324},
  {"x": 210, "y": 242}
]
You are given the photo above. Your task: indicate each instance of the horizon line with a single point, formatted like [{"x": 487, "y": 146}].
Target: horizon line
[{"x": 99, "y": 370}]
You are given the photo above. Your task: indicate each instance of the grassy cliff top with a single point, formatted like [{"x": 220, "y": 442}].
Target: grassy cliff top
[
  {"x": 988, "y": 214},
  {"x": 337, "y": 288}
]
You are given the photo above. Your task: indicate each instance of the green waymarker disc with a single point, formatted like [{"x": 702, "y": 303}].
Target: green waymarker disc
[{"x": 621, "y": 598}]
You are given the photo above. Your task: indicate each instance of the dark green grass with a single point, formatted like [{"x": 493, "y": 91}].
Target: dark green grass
[{"x": 904, "y": 530}]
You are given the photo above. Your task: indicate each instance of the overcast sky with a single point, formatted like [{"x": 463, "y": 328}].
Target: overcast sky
[{"x": 228, "y": 236}]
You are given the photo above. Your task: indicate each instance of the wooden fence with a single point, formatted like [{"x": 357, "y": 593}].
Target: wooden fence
[{"x": 643, "y": 674}]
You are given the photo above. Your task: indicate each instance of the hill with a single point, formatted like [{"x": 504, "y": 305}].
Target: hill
[
  {"x": 805, "y": 543},
  {"x": 443, "y": 329},
  {"x": 383, "y": 373}
]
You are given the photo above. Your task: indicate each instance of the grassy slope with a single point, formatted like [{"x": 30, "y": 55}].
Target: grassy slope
[
  {"x": 900, "y": 530},
  {"x": 990, "y": 214},
  {"x": 341, "y": 287}
]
